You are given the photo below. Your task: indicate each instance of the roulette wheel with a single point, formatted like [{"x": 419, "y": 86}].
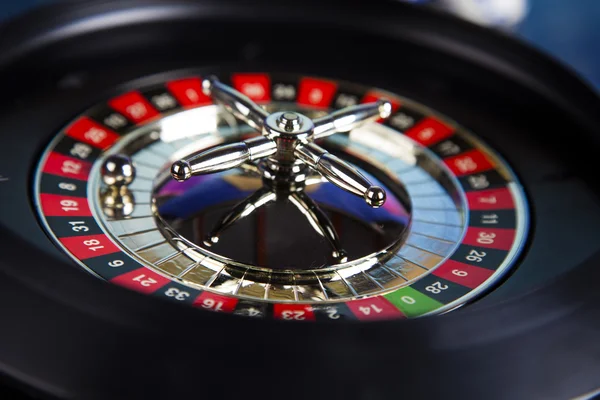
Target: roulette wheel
[{"x": 289, "y": 200}]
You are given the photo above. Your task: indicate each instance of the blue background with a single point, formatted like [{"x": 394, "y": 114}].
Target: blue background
[{"x": 567, "y": 29}]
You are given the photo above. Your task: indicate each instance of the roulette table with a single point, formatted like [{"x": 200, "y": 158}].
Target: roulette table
[{"x": 292, "y": 200}]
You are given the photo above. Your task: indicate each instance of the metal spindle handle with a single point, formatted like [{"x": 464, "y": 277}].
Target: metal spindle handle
[
  {"x": 235, "y": 102},
  {"x": 222, "y": 158},
  {"x": 241, "y": 210},
  {"x": 349, "y": 118},
  {"x": 340, "y": 173}
]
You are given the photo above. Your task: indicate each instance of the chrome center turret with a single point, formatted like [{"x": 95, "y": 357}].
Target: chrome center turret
[
  {"x": 287, "y": 156},
  {"x": 287, "y": 138}
]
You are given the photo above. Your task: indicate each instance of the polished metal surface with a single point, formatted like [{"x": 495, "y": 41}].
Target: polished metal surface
[
  {"x": 316, "y": 218},
  {"x": 352, "y": 117},
  {"x": 223, "y": 158},
  {"x": 117, "y": 201},
  {"x": 341, "y": 173},
  {"x": 287, "y": 138},
  {"x": 233, "y": 214},
  {"x": 235, "y": 102},
  {"x": 117, "y": 172}
]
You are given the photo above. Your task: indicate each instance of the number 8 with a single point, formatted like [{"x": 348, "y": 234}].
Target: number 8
[{"x": 67, "y": 186}]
